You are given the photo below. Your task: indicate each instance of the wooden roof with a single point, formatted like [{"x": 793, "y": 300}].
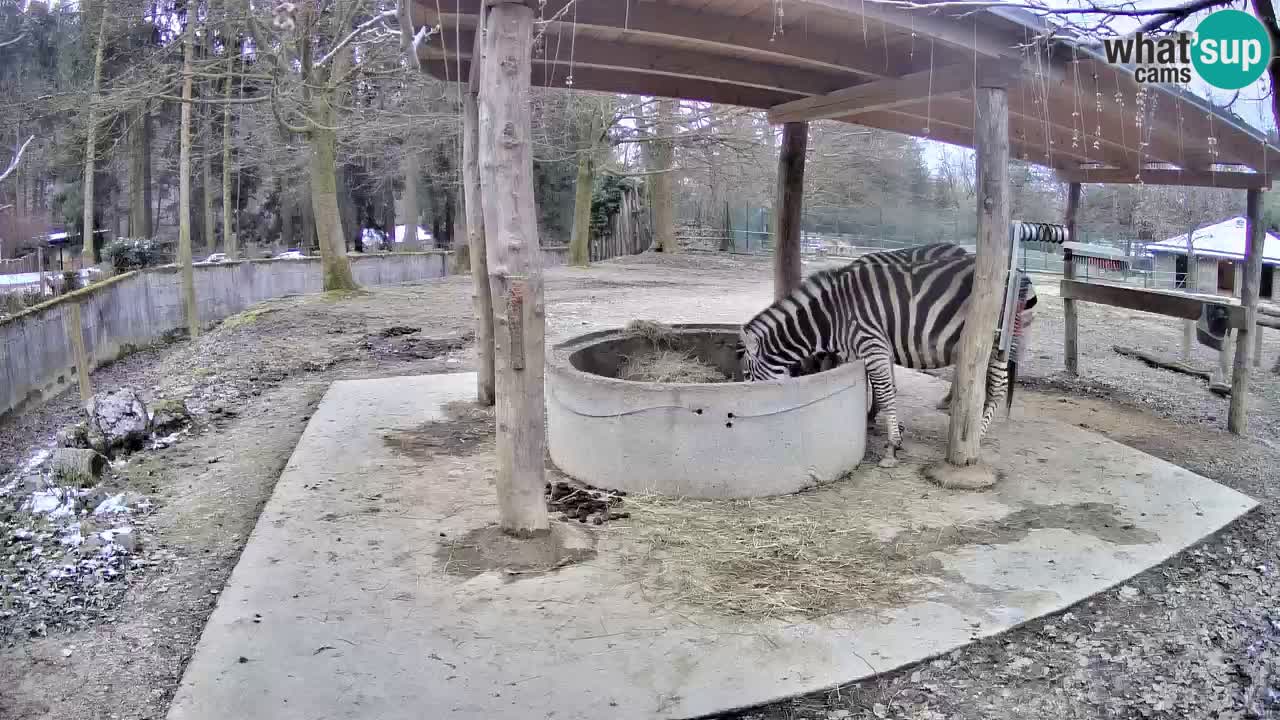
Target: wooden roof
[{"x": 880, "y": 66}]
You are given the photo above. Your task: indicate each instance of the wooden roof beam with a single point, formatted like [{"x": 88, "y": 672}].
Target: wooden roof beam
[
  {"x": 622, "y": 80},
  {"x": 588, "y": 51},
  {"x": 963, "y": 33},
  {"x": 1164, "y": 176},
  {"x": 876, "y": 95},
  {"x": 741, "y": 35}
]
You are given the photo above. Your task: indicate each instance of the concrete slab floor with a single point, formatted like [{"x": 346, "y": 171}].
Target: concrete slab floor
[{"x": 343, "y": 604}]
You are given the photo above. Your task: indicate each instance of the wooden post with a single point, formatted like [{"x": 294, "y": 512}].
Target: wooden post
[
  {"x": 481, "y": 300},
  {"x": 40, "y": 263},
  {"x": 790, "y": 202},
  {"x": 514, "y": 264},
  {"x": 1257, "y": 346},
  {"x": 72, "y": 321},
  {"x": 1070, "y": 350},
  {"x": 1237, "y": 418},
  {"x": 991, "y": 146}
]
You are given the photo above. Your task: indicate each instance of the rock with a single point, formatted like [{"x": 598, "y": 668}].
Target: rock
[
  {"x": 97, "y": 440},
  {"x": 77, "y": 466},
  {"x": 74, "y": 436},
  {"x": 169, "y": 415},
  {"x": 34, "y": 483},
  {"x": 121, "y": 417}
]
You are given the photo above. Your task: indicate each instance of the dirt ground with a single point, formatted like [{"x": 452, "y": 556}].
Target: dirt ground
[{"x": 1198, "y": 637}]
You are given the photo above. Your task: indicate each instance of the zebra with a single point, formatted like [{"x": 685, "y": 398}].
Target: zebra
[
  {"x": 902, "y": 257},
  {"x": 883, "y": 312}
]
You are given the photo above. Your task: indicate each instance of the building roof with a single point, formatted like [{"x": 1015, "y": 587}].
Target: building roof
[
  {"x": 898, "y": 67},
  {"x": 1225, "y": 240}
]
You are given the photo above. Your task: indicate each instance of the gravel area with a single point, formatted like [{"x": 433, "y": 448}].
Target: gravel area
[{"x": 1198, "y": 637}]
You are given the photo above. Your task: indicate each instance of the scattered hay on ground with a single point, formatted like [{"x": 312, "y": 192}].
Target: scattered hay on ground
[{"x": 795, "y": 556}]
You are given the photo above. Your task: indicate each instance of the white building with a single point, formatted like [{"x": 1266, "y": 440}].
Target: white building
[{"x": 1219, "y": 251}]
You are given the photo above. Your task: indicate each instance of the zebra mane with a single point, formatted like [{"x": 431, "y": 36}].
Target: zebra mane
[{"x": 801, "y": 295}]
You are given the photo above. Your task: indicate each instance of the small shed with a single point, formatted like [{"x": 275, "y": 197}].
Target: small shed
[{"x": 1220, "y": 252}]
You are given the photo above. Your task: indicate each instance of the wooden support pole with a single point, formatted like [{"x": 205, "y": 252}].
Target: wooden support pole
[
  {"x": 1237, "y": 418},
  {"x": 1070, "y": 350},
  {"x": 1257, "y": 345},
  {"x": 40, "y": 263},
  {"x": 481, "y": 299},
  {"x": 790, "y": 201},
  {"x": 514, "y": 265},
  {"x": 73, "y": 323},
  {"x": 991, "y": 133}
]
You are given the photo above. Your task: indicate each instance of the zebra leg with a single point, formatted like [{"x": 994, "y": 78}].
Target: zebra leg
[
  {"x": 880, "y": 377},
  {"x": 997, "y": 388},
  {"x": 945, "y": 403}
]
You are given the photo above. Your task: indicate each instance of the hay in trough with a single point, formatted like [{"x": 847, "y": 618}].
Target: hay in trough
[
  {"x": 664, "y": 362},
  {"x": 799, "y": 556},
  {"x": 658, "y": 334},
  {"x": 669, "y": 366}
]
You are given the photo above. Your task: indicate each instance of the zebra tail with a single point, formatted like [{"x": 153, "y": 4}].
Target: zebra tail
[{"x": 1013, "y": 377}]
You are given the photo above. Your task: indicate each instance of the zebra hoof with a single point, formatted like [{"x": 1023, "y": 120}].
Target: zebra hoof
[{"x": 888, "y": 462}]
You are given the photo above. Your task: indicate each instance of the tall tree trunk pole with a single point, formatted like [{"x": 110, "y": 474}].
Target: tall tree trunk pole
[
  {"x": 88, "y": 252},
  {"x": 580, "y": 239},
  {"x": 409, "y": 213},
  {"x": 1071, "y": 352},
  {"x": 515, "y": 273},
  {"x": 790, "y": 208},
  {"x": 184, "y": 186},
  {"x": 991, "y": 134},
  {"x": 206, "y": 180},
  {"x": 481, "y": 299},
  {"x": 1237, "y": 417},
  {"x": 663, "y": 156},
  {"x": 229, "y": 244}
]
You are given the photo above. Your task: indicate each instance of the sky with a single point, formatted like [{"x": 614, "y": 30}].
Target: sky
[{"x": 1253, "y": 104}]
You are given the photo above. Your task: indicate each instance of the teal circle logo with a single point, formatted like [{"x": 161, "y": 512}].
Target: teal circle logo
[{"x": 1232, "y": 49}]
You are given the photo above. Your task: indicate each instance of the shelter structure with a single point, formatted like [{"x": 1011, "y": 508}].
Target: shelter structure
[
  {"x": 1219, "y": 251},
  {"x": 997, "y": 80}
]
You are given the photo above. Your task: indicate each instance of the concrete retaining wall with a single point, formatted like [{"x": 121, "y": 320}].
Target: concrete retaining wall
[{"x": 139, "y": 308}]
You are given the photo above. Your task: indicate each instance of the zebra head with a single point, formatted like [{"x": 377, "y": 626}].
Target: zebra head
[
  {"x": 753, "y": 361},
  {"x": 782, "y": 338}
]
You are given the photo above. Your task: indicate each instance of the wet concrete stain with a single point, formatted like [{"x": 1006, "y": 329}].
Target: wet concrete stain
[
  {"x": 489, "y": 548},
  {"x": 1101, "y": 520},
  {"x": 466, "y": 431}
]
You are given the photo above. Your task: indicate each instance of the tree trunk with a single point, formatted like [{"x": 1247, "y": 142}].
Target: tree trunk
[
  {"x": 324, "y": 201},
  {"x": 88, "y": 252},
  {"x": 409, "y": 213},
  {"x": 662, "y": 154},
  {"x": 1071, "y": 328},
  {"x": 973, "y": 352},
  {"x": 184, "y": 187},
  {"x": 1237, "y": 417},
  {"x": 580, "y": 238},
  {"x": 787, "y": 269},
  {"x": 139, "y": 175},
  {"x": 515, "y": 273},
  {"x": 206, "y": 180},
  {"x": 482, "y": 300},
  {"x": 229, "y": 240}
]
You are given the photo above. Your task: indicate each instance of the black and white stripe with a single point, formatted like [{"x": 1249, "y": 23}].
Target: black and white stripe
[{"x": 886, "y": 309}]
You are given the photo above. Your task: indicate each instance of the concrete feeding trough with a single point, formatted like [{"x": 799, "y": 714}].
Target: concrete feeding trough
[{"x": 708, "y": 440}]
